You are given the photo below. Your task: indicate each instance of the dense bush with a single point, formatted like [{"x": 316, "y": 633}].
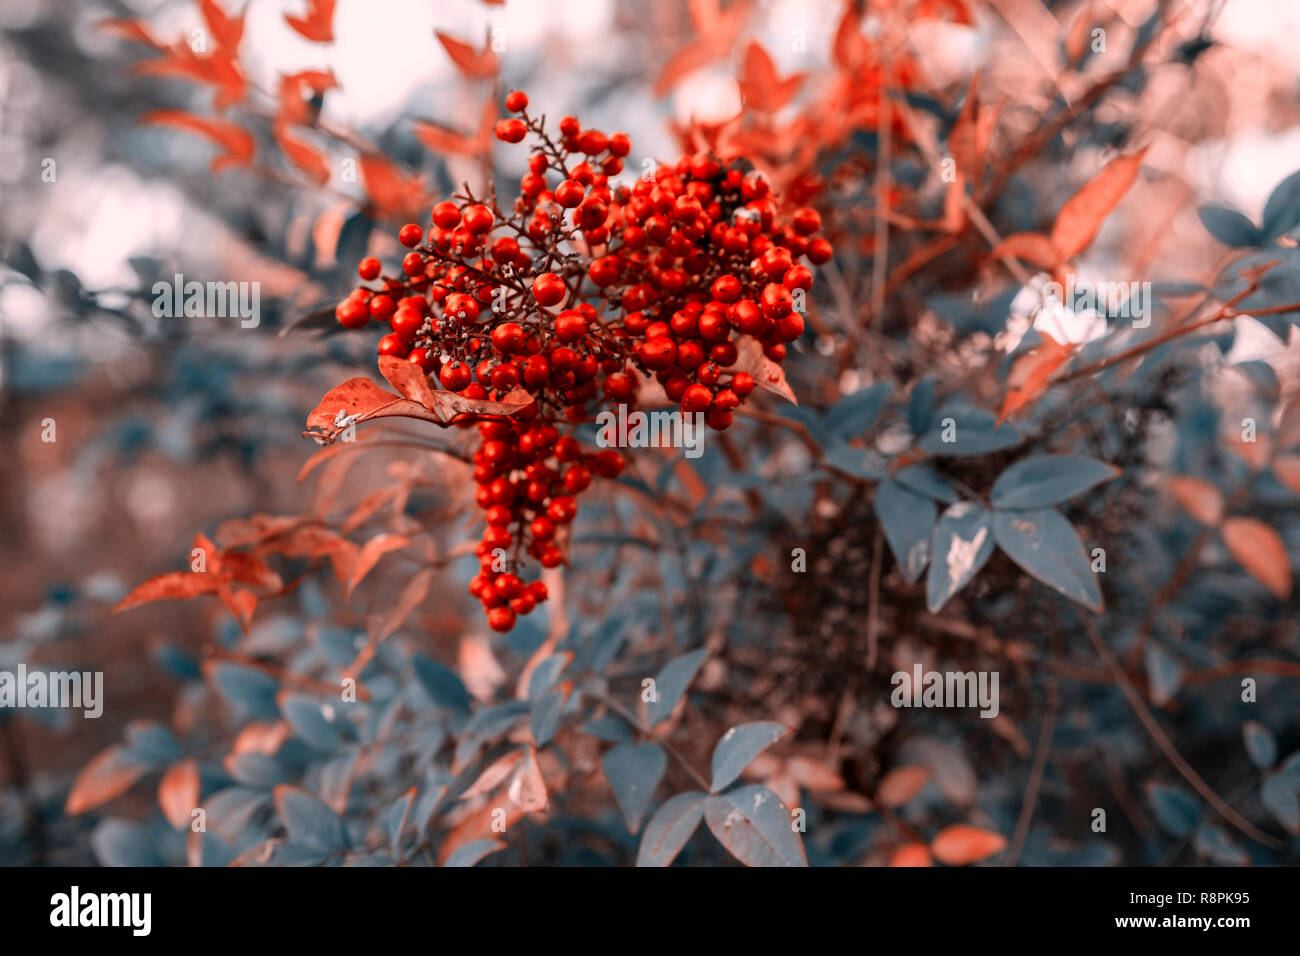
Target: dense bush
[{"x": 960, "y": 419}]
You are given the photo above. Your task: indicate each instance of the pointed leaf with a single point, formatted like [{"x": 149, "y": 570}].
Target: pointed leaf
[{"x": 1045, "y": 545}]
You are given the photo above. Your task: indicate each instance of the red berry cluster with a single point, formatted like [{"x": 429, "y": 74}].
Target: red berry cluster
[{"x": 583, "y": 289}]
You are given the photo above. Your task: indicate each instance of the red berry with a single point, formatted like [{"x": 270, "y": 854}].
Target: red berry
[
  {"x": 352, "y": 314},
  {"x": 577, "y": 478},
  {"x": 381, "y": 307},
  {"x": 542, "y": 528},
  {"x": 790, "y": 327},
  {"x": 410, "y": 235},
  {"x": 508, "y": 338},
  {"x": 742, "y": 383},
  {"x": 570, "y": 193},
  {"x": 406, "y": 322},
  {"x": 569, "y": 325},
  {"x": 820, "y": 252},
  {"x": 393, "y": 345},
  {"x": 446, "y": 215},
  {"x": 454, "y": 376},
  {"x": 413, "y": 264},
  {"x": 726, "y": 288},
  {"x": 463, "y": 308},
  {"x": 511, "y": 130},
  {"x": 426, "y": 359},
  {"x": 516, "y": 101},
  {"x": 369, "y": 268},
  {"x": 777, "y": 301},
  {"x": 478, "y": 219},
  {"x": 657, "y": 353},
  {"x": 608, "y": 463},
  {"x": 806, "y": 221},
  {"x": 549, "y": 289},
  {"x": 562, "y": 509},
  {"x": 696, "y": 398},
  {"x": 501, "y": 619}
]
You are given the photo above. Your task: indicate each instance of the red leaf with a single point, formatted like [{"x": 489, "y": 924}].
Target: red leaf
[
  {"x": 475, "y": 64},
  {"x": 172, "y": 586},
  {"x": 318, "y": 24},
  {"x": 1286, "y": 469},
  {"x": 178, "y": 792},
  {"x": 251, "y": 570},
  {"x": 1259, "y": 549},
  {"x": 106, "y": 776},
  {"x": 238, "y": 143},
  {"x": 241, "y": 604},
  {"x": 358, "y": 400},
  {"x": 445, "y": 140},
  {"x": 850, "y": 47},
  {"x": 307, "y": 158},
  {"x": 960, "y": 844},
  {"x": 766, "y": 373},
  {"x": 1083, "y": 213},
  {"x": 1031, "y": 374}
]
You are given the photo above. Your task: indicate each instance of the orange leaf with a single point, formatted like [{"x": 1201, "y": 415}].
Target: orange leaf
[
  {"x": 911, "y": 854},
  {"x": 761, "y": 85},
  {"x": 1200, "y": 499},
  {"x": 106, "y": 776},
  {"x": 960, "y": 844},
  {"x": 172, "y": 586},
  {"x": 391, "y": 191},
  {"x": 242, "y": 604},
  {"x": 1286, "y": 469},
  {"x": 307, "y": 158},
  {"x": 226, "y": 30},
  {"x": 238, "y": 143},
  {"x": 902, "y": 784},
  {"x": 850, "y": 47},
  {"x": 318, "y": 24},
  {"x": 178, "y": 792},
  {"x": 1031, "y": 374},
  {"x": 475, "y": 64},
  {"x": 130, "y": 30},
  {"x": 1030, "y": 246},
  {"x": 1083, "y": 213},
  {"x": 219, "y": 69},
  {"x": 369, "y": 556},
  {"x": 294, "y": 88},
  {"x": 1259, "y": 549}
]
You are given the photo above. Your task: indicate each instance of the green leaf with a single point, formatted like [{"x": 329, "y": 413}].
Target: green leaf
[
  {"x": 1260, "y": 744},
  {"x": 1211, "y": 842},
  {"x": 545, "y": 715},
  {"x": 612, "y": 730},
  {"x": 1282, "y": 210},
  {"x": 855, "y": 413},
  {"x": 1164, "y": 672},
  {"x": 672, "y": 682},
  {"x": 670, "y": 828},
  {"x": 858, "y": 462},
  {"x": 310, "y": 822},
  {"x": 1176, "y": 812},
  {"x": 907, "y": 520},
  {"x": 754, "y": 826},
  {"x": 1230, "y": 227},
  {"x": 738, "y": 747},
  {"x": 1046, "y": 546},
  {"x": 962, "y": 543},
  {"x": 441, "y": 684},
  {"x": 633, "y": 772},
  {"x": 471, "y": 853},
  {"x": 924, "y": 480},
  {"x": 1278, "y": 794},
  {"x": 1042, "y": 480},
  {"x": 308, "y": 718}
]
